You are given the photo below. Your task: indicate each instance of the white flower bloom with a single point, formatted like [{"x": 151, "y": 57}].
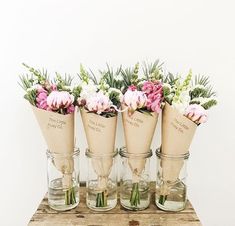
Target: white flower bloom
[
  {"x": 34, "y": 87},
  {"x": 88, "y": 90},
  {"x": 183, "y": 102},
  {"x": 118, "y": 78}
]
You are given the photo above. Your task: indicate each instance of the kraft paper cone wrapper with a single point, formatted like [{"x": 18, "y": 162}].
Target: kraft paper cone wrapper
[
  {"x": 58, "y": 132},
  {"x": 177, "y": 134},
  {"x": 139, "y": 129},
  {"x": 100, "y": 133}
]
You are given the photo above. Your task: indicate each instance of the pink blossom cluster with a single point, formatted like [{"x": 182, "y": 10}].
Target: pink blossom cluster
[
  {"x": 196, "y": 113},
  {"x": 55, "y": 100},
  {"x": 154, "y": 93}
]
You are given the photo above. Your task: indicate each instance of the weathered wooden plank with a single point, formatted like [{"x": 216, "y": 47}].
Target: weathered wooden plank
[{"x": 81, "y": 216}]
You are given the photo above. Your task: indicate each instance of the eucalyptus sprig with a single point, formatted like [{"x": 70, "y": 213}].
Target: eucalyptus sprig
[{"x": 31, "y": 79}]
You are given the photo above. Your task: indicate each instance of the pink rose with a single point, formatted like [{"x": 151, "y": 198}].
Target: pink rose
[{"x": 196, "y": 113}]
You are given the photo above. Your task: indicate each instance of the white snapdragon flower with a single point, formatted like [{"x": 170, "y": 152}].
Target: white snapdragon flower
[
  {"x": 118, "y": 78},
  {"x": 88, "y": 90},
  {"x": 34, "y": 87},
  {"x": 183, "y": 102}
]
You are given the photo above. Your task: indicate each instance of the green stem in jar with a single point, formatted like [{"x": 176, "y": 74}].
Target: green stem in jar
[{"x": 135, "y": 195}]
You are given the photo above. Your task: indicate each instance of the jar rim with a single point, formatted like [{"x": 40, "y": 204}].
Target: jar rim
[
  {"x": 181, "y": 156},
  {"x": 124, "y": 153},
  {"x": 94, "y": 155},
  {"x": 49, "y": 153}
]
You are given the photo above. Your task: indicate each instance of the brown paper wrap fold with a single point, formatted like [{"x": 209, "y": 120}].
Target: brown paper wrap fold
[
  {"x": 100, "y": 133},
  {"x": 177, "y": 135},
  {"x": 139, "y": 129},
  {"x": 58, "y": 132}
]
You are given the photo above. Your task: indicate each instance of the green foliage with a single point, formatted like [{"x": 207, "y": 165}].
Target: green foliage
[
  {"x": 112, "y": 78},
  {"x": 208, "y": 104},
  {"x": 153, "y": 71},
  {"x": 63, "y": 83},
  {"x": 130, "y": 76},
  {"x": 202, "y": 92}
]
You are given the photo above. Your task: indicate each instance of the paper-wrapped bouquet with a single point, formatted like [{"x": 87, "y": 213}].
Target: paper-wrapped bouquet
[
  {"x": 141, "y": 105},
  {"x": 53, "y": 105},
  {"x": 99, "y": 102},
  {"x": 186, "y": 106}
]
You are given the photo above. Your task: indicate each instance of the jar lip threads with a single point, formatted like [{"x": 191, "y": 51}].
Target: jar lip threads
[{"x": 124, "y": 153}]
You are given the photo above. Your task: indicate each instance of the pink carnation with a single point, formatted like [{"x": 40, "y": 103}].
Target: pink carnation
[
  {"x": 41, "y": 99},
  {"x": 132, "y": 88},
  {"x": 196, "y": 113},
  {"x": 154, "y": 93},
  {"x": 59, "y": 99}
]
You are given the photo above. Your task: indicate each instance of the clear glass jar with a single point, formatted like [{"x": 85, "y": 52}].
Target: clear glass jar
[
  {"x": 134, "y": 180},
  {"x": 63, "y": 180},
  {"x": 101, "y": 181},
  {"x": 171, "y": 181}
]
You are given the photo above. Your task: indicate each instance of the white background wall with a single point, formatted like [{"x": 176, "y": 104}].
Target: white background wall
[{"x": 58, "y": 35}]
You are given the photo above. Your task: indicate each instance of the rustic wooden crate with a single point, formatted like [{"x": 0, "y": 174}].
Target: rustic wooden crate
[{"x": 81, "y": 216}]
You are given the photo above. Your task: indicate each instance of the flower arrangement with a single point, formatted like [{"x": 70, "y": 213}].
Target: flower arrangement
[
  {"x": 191, "y": 98},
  {"x": 99, "y": 102},
  {"x": 186, "y": 107},
  {"x": 44, "y": 94},
  {"x": 142, "y": 100},
  {"x": 52, "y": 101}
]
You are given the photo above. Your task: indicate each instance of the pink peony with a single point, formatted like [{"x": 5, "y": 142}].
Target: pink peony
[
  {"x": 59, "y": 99},
  {"x": 196, "y": 113},
  {"x": 98, "y": 103},
  {"x": 134, "y": 100},
  {"x": 154, "y": 93}
]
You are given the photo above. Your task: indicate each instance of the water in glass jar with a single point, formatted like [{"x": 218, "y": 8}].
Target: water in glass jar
[
  {"x": 175, "y": 200},
  {"x": 125, "y": 194},
  {"x": 58, "y": 196},
  {"x": 92, "y": 192}
]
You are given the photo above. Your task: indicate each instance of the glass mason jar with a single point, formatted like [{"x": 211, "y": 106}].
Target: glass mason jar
[
  {"x": 134, "y": 180},
  {"x": 63, "y": 180},
  {"x": 101, "y": 182},
  {"x": 171, "y": 181}
]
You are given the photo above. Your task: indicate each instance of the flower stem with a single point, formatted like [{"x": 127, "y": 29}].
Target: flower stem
[
  {"x": 162, "y": 199},
  {"x": 101, "y": 199},
  {"x": 70, "y": 196},
  {"x": 135, "y": 195}
]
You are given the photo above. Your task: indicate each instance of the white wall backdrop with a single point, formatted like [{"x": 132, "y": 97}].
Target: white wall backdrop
[{"x": 59, "y": 35}]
